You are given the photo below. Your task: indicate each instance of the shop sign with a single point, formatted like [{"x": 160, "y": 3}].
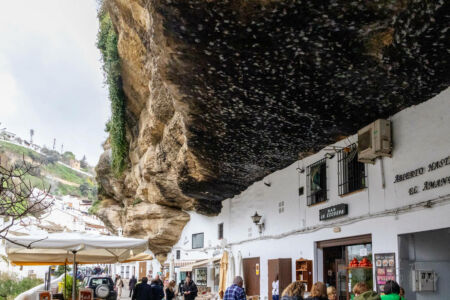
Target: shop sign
[
  {"x": 384, "y": 269},
  {"x": 429, "y": 184},
  {"x": 333, "y": 212}
]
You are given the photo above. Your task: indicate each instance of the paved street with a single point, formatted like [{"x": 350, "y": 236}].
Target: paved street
[{"x": 125, "y": 293}]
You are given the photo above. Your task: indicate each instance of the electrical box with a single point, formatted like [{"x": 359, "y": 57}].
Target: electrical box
[
  {"x": 424, "y": 281},
  {"x": 374, "y": 141}
]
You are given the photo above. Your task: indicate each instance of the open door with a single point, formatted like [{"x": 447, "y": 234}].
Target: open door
[{"x": 282, "y": 267}]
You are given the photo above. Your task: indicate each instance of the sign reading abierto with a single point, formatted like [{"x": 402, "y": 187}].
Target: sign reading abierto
[
  {"x": 429, "y": 184},
  {"x": 333, "y": 212}
]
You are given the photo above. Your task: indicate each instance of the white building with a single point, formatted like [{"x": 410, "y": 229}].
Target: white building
[
  {"x": 395, "y": 211},
  {"x": 64, "y": 215}
]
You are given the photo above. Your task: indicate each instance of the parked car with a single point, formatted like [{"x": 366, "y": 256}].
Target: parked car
[{"x": 103, "y": 287}]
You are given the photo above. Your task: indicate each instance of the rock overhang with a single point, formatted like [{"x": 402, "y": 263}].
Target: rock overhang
[{"x": 237, "y": 89}]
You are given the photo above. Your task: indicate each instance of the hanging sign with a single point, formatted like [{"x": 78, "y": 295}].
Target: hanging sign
[
  {"x": 384, "y": 269},
  {"x": 333, "y": 212}
]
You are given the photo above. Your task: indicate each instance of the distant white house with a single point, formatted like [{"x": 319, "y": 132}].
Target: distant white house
[{"x": 6, "y": 135}]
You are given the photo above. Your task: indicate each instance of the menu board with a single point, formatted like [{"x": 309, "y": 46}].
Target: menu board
[
  {"x": 384, "y": 269},
  {"x": 44, "y": 295},
  {"x": 86, "y": 294}
]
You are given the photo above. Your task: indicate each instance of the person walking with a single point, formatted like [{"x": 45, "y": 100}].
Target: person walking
[
  {"x": 318, "y": 291},
  {"x": 294, "y": 291},
  {"x": 275, "y": 288},
  {"x": 132, "y": 284},
  {"x": 189, "y": 289},
  {"x": 158, "y": 280},
  {"x": 157, "y": 290},
  {"x": 391, "y": 291},
  {"x": 142, "y": 290},
  {"x": 180, "y": 289},
  {"x": 119, "y": 286},
  {"x": 363, "y": 292},
  {"x": 170, "y": 290},
  {"x": 235, "y": 291}
]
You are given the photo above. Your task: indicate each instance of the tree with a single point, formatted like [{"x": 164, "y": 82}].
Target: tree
[
  {"x": 83, "y": 162},
  {"x": 84, "y": 189},
  {"x": 67, "y": 157},
  {"x": 60, "y": 270},
  {"x": 18, "y": 197}
]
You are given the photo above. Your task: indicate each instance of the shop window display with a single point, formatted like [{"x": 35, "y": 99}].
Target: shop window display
[{"x": 200, "y": 276}]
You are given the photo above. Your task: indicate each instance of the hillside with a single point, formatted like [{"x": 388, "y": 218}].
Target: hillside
[{"x": 50, "y": 172}]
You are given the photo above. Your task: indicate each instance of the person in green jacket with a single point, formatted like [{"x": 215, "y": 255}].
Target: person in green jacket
[
  {"x": 362, "y": 292},
  {"x": 391, "y": 291}
]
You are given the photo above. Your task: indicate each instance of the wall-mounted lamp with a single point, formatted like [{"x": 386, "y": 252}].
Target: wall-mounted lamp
[
  {"x": 300, "y": 170},
  {"x": 256, "y": 219},
  {"x": 329, "y": 155}
]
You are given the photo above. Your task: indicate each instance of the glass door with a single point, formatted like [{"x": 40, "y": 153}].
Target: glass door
[
  {"x": 361, "y": 271},
  {"x": 341, "y": 279}
]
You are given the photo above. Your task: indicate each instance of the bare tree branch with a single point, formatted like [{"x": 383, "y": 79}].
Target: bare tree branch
[{"x": 19, "y": 198}]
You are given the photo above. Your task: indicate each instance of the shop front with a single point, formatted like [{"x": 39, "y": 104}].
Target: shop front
[{"x": 345, "y": 262}]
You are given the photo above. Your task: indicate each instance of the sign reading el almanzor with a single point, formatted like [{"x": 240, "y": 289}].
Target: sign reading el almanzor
[{"x": 333, "y": 212}]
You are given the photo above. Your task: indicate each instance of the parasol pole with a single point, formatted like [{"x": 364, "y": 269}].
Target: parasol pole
[
  {"x": 74, "y": 278},
  {"x": 65, "y": 278}
]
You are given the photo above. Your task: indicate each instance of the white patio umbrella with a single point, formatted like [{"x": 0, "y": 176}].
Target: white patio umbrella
[
  {"x": 172, "y": 268},
  {"x": 231, "y": 269},
  {"x": 240, "y": 263},
  {"x": 72, "y": 247}
]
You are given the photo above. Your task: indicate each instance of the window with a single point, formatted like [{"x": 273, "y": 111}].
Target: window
[
  {"x": 220, "y": 231},
  {"x": 317, "y": 182},
  {"x": 197, "y": 240},
  {"x": 281, "y": 207},
  {"x": 352, "y": 174},
  {"x": 200, "y": 276},
  {"x": 178, "y": 254}
]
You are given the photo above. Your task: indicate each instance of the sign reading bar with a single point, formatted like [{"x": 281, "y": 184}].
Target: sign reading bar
[{"x": 333, "y": 212}]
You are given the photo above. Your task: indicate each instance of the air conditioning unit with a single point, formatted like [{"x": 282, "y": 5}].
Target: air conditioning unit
[{"x": 374, "y": 141}]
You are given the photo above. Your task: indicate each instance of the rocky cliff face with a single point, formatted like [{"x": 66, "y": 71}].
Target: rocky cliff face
[{"x": 222, "y": 93}]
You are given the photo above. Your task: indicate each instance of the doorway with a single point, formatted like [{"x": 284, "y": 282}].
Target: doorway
[
  {"x": 252, "y": 276},
  {"x": 283, "y": 268},
  {"x": 337, "y": 254},
  {"x": 142, "y": 269}
]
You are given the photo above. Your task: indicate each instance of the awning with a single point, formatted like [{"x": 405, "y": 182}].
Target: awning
[
  {"x": 56, "y": 248},
  {"x": 199, "y": 264}
]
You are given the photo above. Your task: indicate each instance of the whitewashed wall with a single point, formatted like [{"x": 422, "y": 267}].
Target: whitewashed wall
[{"x": 420, "y": 136}]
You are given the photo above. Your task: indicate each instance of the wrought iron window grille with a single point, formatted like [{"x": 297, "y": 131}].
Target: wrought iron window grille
[
  {"x": 351, "y": 173},
  {"x": 316, "y": 175}
]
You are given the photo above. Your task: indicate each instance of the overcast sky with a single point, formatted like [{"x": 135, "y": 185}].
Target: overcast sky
[{"x": 50, "y": 74}]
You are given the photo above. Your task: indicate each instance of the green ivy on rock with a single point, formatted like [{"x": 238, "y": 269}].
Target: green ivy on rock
[{"x": 107, "y": 43}]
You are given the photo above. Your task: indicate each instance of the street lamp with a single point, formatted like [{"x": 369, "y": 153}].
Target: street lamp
[{"x": 256, "y": 219}]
